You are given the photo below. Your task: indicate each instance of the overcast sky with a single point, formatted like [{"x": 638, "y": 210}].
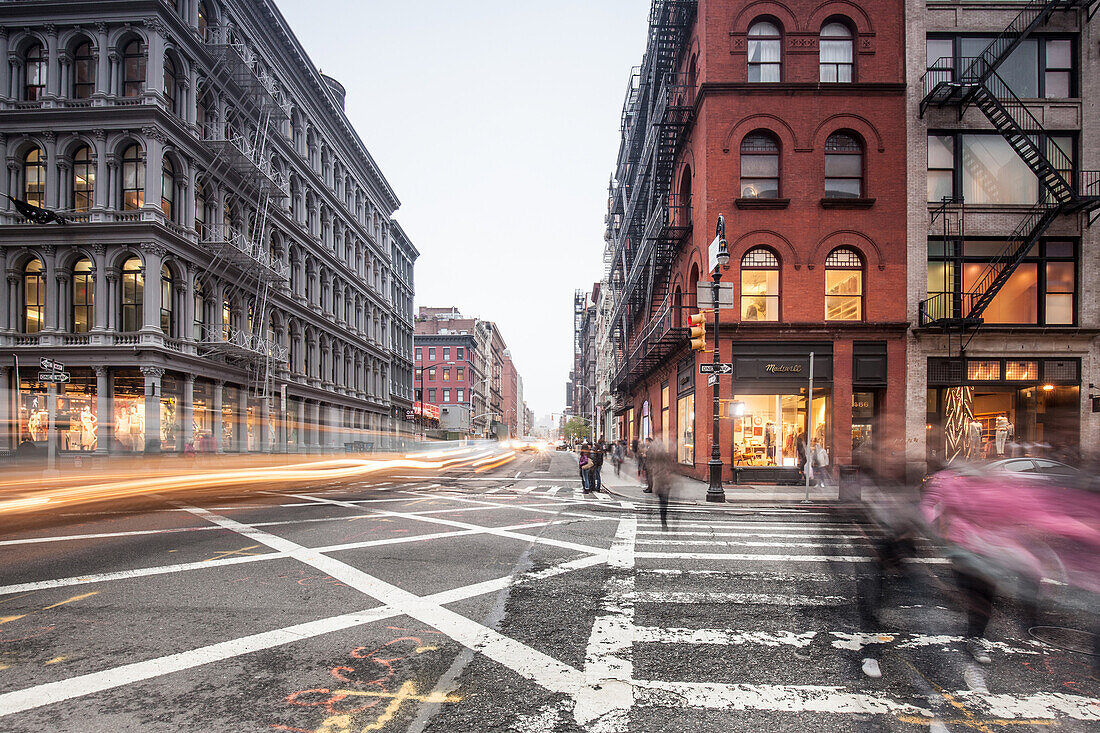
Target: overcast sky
[{"x": 497, "y": 124}]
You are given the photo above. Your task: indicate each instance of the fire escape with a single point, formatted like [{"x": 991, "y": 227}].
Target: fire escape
[
  {"x": 1062, "y": 191},
  {"x": 646, "y": 220},
  {"x": 241, "y": 161}
]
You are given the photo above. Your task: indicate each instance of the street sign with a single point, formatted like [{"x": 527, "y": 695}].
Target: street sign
[
  {"x": 712, "y": 380},
  {"x": 711, "y": 368},
  {"x": 54, "y": 377},
  {"x": 705, "y": 295},
  {"x": 49, "y": 365}
]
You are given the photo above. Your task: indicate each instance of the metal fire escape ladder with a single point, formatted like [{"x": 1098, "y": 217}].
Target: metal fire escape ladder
[{"x": 1059, "y": 192}]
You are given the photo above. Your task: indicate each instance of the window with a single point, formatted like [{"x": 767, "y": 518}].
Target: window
[
  {"x": 983, "y": 371},
  {"x": 133, "y": 179},
  {"x": 83, "y": 296},
  {"x": 843, "y": 166},
  {"x": 460, "y": 374},
  {"x": 133, "y": 69},
  {"x": 34, "y": 297},
  {"x": 198, "y": 327},
  {"x": 419, "y": 354},
  {"x": 168, "y": 190},
  {"x": 431, "y": 395},
  {"x": 446, "y": 395},
  {"x": 759, "y": 166},
  {"x": 227, "y": 316},
  {"x": 34, "y": 177},
  {"x": 35, "y": 66},
  {"x": 204, "y": 19},
  {"x": 1021, "y": 371},
  {"x": 446, "y": 374},
  {"x": 460, "y": 353},
  {"x": 843, "y": 285},
  {"x": 419, "y": 374},
  {"x": 84, "y": 68},
  {"x": 685, "y": 429},
  {"x": 171, "y": 85},
  {"x": 132, "y": 292},
  {"x": 431, "y": 373},
  {"x": 835, "y": 53},
  {"x": 941, "y": 167},
  {"x": 83, "y": 179},
  {"x": 461, "y": 396},
  {"x": 1039, "y": 67},
  {"x": 765, "y": 51},
  {"x": 759, "y": 286},
  {"x": 431, "y": 354},
  {"x": 446, "y": 353},
  {"x": 1040, "y": 291},
  {"x": 167, "y": 322}
]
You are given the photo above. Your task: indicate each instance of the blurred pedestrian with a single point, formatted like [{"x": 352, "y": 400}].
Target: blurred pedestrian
[
  {"x": 643, "y": 465},
  {"x": 584, "y": 463},
  {"x": 617, "y": 451},
  {"x": 659, "y": 475},
  {"x": 596, "y": 454}
]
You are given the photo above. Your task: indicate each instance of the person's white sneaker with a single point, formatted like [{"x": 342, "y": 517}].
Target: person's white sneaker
[
  {"x": 978, "y": 652},
  {"x": 975, "y": 678},
  {"x": 871, "y": 668},
  {"x": 937, "y": 726}
]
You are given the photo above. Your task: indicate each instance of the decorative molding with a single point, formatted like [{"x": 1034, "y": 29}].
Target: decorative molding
[
  {"x": 154, "y": 248},
  {"x": 154, "y": 133},
  {"x": 151, "y": 371},
  {"x": 100, "y": 370},
  {"x": 99, "y": 249},
  {"x": 100, "y": 134}
]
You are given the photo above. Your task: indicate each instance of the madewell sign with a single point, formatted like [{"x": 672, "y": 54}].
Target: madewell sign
[{"x": 783, "y": 368}]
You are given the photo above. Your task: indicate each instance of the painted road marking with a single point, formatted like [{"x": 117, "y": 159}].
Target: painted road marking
[
  {"x": 770, "y": 599},
  {"x": 779, "y": 558},
  {"x": 74, "y": 687},
  {"x": 819, "y": 545},
  {"x": 74, "y": 599}
]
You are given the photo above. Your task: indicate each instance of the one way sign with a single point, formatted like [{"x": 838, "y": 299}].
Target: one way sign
[{"x": 706, "y": 368}]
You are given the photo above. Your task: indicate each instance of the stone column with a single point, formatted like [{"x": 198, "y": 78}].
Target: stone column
[
  {"x": 190, "y": 188},
  {"x": 113, "y": 194},
  {"x": 104, "y": 431},
  {"x": 99, "y": 297},
  {"x": 314, "y": 425},
  {"x": 242, "y": 419},
  {"x": 102, "y": 184},
  {"x": 16, "y": 74},
  {"x": 5, "y": 79},
  {"x": 188, "y": 294},
  {"x": 110, "y": 311},
  {"x": 152, "y": 407},
  {"x": 64, "y": 293},
  {"x": 154, "y": 161},
  {"x": 154, "y": 260},
  {"x": 187, "y": 414},
  {"x": 50, "y": 281},
  {"x": 53, "y": 66},
  {"x": 9, "y": 428},
  {"x": 64, "y": 63},
  {"x": 103, "y": 63},
  {"x": 52, "y": 173},
  {"x": 114, "y": 75},
  {"x": 216, "y": 427},
  {"x": 154, "y": 65}
]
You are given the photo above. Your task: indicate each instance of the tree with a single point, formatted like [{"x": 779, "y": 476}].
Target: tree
[{"x": 576, "y": 428}]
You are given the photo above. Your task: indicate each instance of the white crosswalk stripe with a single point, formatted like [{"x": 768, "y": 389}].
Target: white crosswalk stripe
[{"x": 626, "y": 667}]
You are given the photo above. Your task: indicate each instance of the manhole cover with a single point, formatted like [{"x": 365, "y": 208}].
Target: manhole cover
[{"x": 1071, "y": 640}]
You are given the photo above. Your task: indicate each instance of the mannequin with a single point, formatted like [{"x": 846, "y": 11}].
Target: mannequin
[
  {"x": 973, "y": 439},
  {"x": 1002, "y": 432},
  {"x": 87, "y": 429},
  {"x": 769, "y": 442}
]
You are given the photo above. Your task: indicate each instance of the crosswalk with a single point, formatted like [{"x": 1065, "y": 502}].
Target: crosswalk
[
  {"x": 551, "y": 490},
  {"x": 771, "y": 633}
]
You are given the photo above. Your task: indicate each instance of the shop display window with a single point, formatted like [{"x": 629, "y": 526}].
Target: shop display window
[
  {"x": 202, "y": 416},
  {"x": 767, "y": 429},
  {"x": 171, "y": 402},
  {"x": 685, "y": 423},
  {"x": 129, "y": 411},
  {"x": 230, "y": 397}
]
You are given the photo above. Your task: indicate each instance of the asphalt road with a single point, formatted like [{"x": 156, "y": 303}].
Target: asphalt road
[{"x": 503, "y": 601}]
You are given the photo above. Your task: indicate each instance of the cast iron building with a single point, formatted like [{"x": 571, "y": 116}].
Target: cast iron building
[
  {"x": 1004, "y": 151},
  {"x": 789, "y": 118},
  {"x": 228, "y": 275}
]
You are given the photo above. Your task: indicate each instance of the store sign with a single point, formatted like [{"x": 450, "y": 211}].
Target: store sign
[
  {"x": 789, "y": 368},
  {"x": 775, "y": 368}
]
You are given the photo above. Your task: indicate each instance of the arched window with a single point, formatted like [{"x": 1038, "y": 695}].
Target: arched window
[
  {"x": 133, "y": 179},
  {"x": 83, "y": 296},
  {"x": 200, "y": 210},
  {"x": 132, "y": 294},
  {"x": 204, "y": 19},
  {"x": 843, "y": 285},
  {"x": 84, "y": 68},
  {"x": 198, "y": 326},
  {"x": 34, "y": 177},
  {"x": 133, "y": 69},
  {"x": 765, "y": 51},
  {"x": 843, "y": 167},
  {"x": 759, "y": 166},
  {"x": 835, "y": 52},
  {"x": 171, "y": 85},
  {"x": 167, "y": 310},
  {"x": 227, "y": 315},
  {"x": 168, "y": 189},
  {"x": 83, "y": 179},
  {"x": 34, "y": 297},
  {"x": 759, "y": 285},
  {"x": 34, "y": 66}
]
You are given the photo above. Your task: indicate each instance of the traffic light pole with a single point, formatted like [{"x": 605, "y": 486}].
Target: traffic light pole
[{"x": 714, "y": 489}]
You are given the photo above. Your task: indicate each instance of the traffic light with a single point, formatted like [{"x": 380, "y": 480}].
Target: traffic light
[{"x": 699, "y": 332}]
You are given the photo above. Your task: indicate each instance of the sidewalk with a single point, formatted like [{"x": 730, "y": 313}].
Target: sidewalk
[{"x": 690, "y": 492}]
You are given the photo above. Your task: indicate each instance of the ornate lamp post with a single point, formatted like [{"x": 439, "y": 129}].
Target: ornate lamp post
[{"x": 714, "y": 490}]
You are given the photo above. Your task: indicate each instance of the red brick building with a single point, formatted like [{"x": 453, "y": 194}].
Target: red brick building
[{"x": 789, "y": 119}]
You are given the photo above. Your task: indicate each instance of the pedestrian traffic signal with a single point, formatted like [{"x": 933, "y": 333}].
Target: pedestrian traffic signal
[{"x": 699, "y": 332}]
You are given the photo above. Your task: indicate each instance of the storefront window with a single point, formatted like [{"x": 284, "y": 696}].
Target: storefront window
[
  {"x": 685, "y": 423},
  {"x": 129, "y": 410},
  {"x": 666, "y": 432},
  {"x": 171, "y": 395},
  {"x": 863, "y": 421},
  {"x": 767, "y": 429},
  {"x": 202, "y": 416},
  {"x": 230, "y": 397},
  {"x": 292, "y": 412}
]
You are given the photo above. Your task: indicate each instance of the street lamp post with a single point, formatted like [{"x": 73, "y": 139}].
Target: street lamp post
[{"x": 714, "y": 489}]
